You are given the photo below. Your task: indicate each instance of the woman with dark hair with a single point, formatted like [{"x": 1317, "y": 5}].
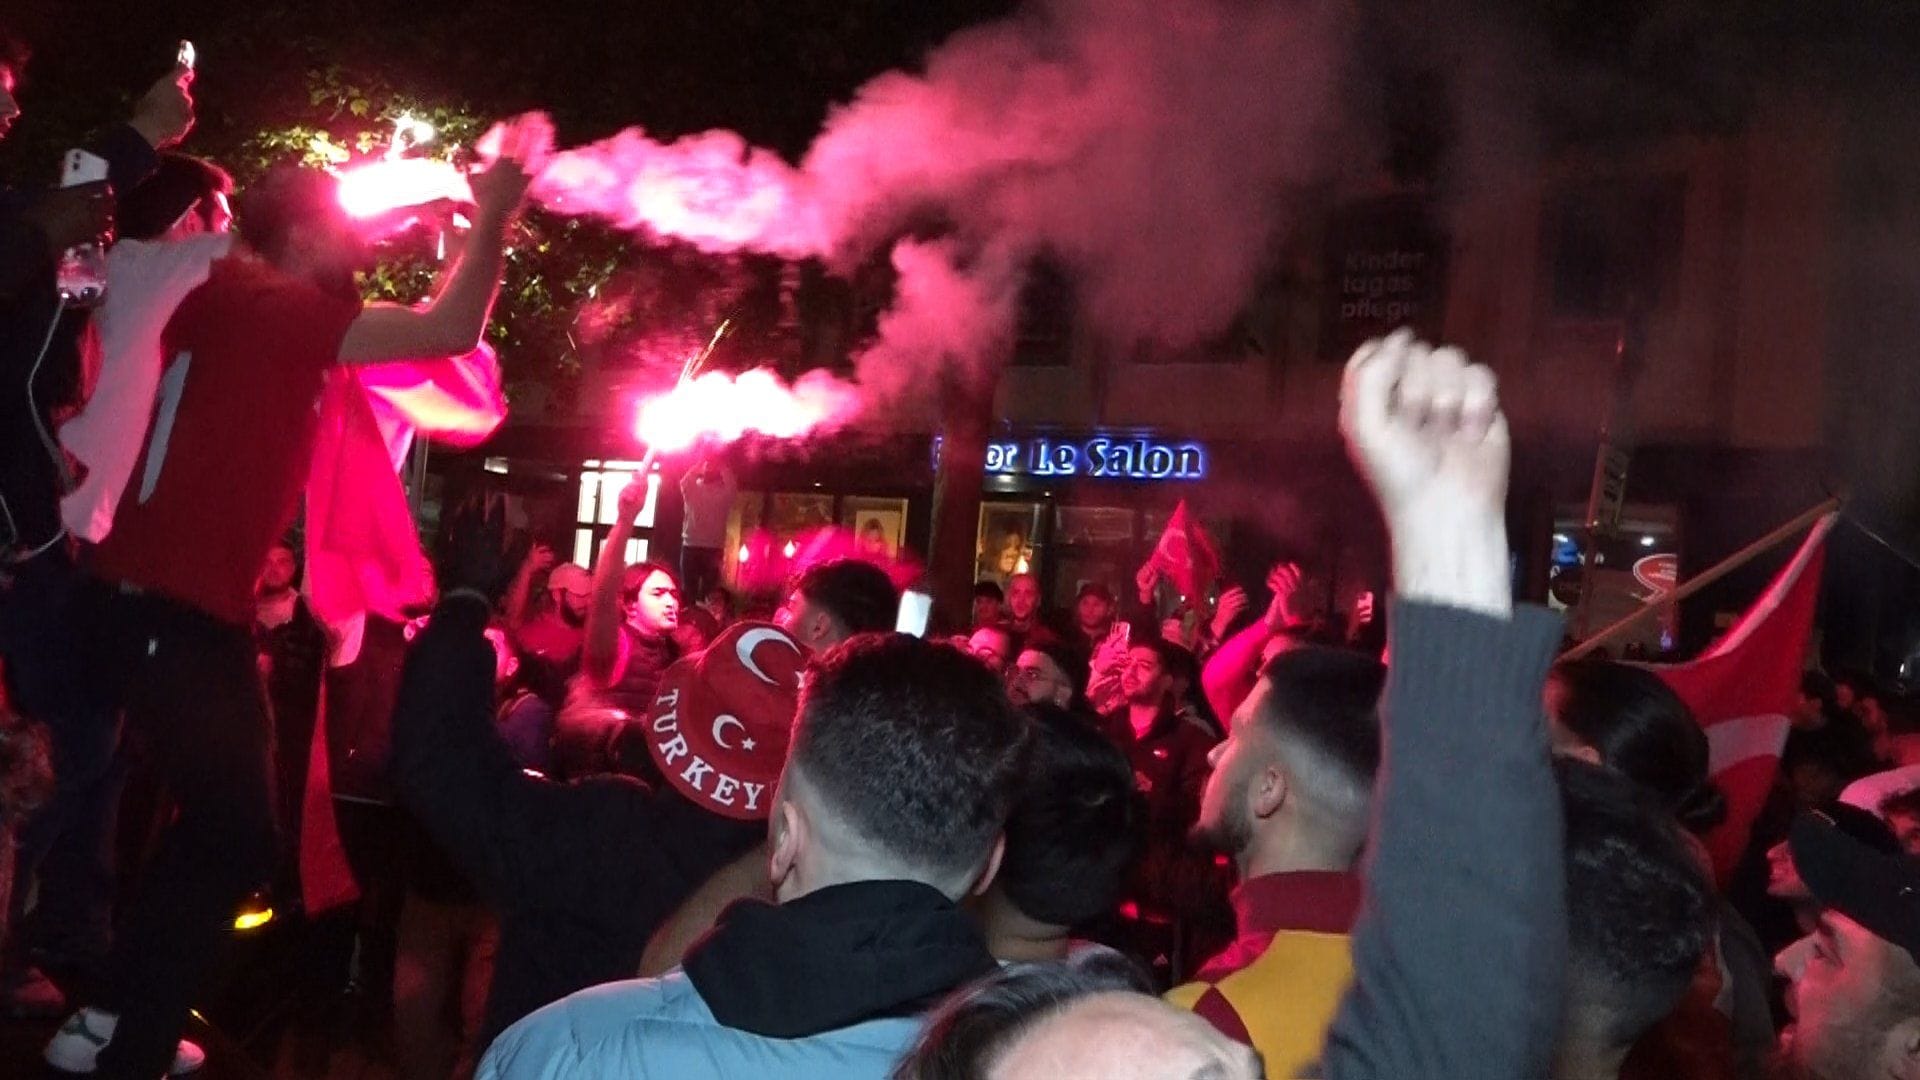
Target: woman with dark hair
[{"x": 1625, "y": 718}]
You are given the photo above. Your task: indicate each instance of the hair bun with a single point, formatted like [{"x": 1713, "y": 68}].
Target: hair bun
[{"x": 1702, "y": 808}]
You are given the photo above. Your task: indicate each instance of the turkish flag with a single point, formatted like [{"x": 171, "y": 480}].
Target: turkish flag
[
  {"x": 1186, "y": 555},
  {"x": 1743, "y": 689}
]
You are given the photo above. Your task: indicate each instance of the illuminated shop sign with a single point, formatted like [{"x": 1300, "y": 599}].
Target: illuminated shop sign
[{"x": 1102, "y": 457}]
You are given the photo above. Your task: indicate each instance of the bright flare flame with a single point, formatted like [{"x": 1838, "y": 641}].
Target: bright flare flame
[
  {"x": 396, "y": 181},
  {"x": 791, "y": 549},
  {"x": 376, "y": 187},
  {"x": 723, "y": 408},
  {"x": 745, "y": 554}
]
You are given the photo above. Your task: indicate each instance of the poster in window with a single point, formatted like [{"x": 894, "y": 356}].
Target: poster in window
[
  {"x": 1006, "y": 541},
  {"x": 1385, "y": 268},
  {"x": 878, "y": 525}
]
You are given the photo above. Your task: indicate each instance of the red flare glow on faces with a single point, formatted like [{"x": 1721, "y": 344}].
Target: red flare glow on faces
[{"x": 723, "y": 408}]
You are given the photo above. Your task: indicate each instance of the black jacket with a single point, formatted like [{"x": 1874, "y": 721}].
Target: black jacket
[
  {"x": 580, "y": 874},
  {"x": 31, "y": 480}
]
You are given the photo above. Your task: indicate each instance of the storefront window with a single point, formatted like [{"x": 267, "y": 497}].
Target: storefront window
[
  {"x": 598, "y": 508},
  {"x": 1092, "y": 544},
  {"x": 794, "y": 516},
  {"x": 1631, "y": 566},
  {"x": 743, "y": 526}
]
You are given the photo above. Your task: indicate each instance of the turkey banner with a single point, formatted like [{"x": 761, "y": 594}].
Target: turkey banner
[
  {"x": 1743, "y": 689},
  {"x": 1186, "y": 555}
]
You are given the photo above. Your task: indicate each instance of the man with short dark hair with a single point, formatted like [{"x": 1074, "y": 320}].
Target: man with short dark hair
[
  {"x": 1051, "y": 673},
  {"x": 293, "y": 646},
  {"x": 994, "y": 646},
  {"x": 1169, "y": 755},
  {"x": 1827, "y": 748},
  {"x": 1639, "y": 919},
  {"x": 906, "y": 757},
  {"x": 1290, "y": 800},
  {"x": 1073, "y": 832},
  {"x": 1175, "y": 887},
  {"x": 185, "y": 196},
  {"x": 1093, "y": 611},
  {"x": 988, "y": 601},
  {"x": 1858, "y": 998},
  {"x": 1025, "y": 614},
  {"x": 832, "y": 601}
]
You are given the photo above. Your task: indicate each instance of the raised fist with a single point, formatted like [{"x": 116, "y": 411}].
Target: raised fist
[
  {"x": 633, "y": 498},
  {"x": 1424, "y": 427}
]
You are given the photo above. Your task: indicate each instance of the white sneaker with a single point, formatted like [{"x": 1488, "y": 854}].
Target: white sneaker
[{"x": 76, "y": 1048}]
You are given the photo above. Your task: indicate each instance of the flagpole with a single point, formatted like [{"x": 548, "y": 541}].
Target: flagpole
[{"x": 1719, "y": 570}]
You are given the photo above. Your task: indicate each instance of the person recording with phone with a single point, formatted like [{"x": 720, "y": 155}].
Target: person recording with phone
[
  {"x": 43, "y": 341},
  {"x": 40, "y": 350}
]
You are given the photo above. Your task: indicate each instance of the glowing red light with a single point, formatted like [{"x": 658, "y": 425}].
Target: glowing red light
[
  {"x": 723, "y": 408},
  {"x": 376, "y": 187}
]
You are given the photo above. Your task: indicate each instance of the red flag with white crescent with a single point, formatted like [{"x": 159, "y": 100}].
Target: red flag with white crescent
[
  {"x": 1743, "y": 689},
  {"x": 1186, "y": 555}
]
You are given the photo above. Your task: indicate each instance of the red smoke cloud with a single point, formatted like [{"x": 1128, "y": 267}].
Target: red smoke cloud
[{"x": 1146, "y": 146}]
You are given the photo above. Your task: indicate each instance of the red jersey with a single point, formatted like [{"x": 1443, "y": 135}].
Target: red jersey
[{"x": 227, "y": 454}]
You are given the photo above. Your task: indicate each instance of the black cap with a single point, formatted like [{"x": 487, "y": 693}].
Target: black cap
[
  {"x": 1095, "y": 588},
  {"x": 1878, "y": 889}
]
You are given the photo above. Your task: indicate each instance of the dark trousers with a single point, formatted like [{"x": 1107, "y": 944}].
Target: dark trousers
[
  {"x": 67, "y": 845},
  {"x": 192, "y": 689},
  {"x": 699, "y": 573}
]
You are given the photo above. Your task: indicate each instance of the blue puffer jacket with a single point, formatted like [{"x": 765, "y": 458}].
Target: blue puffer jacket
[
  {"x": 830, "y": 985},
  {"x": 661, "y": 1029}
]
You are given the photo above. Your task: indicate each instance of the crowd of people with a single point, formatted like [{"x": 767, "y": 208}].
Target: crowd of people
[{"x": 598, "y": 826}]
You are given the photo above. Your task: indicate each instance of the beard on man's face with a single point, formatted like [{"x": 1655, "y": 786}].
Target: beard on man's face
[{"x": 1231, "y": 833}]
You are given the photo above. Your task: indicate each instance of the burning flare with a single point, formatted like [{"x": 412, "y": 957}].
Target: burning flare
[{"x": 723, "y": 408}]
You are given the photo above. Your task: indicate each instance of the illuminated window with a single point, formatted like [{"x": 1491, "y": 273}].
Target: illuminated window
[{"x": 599, "y": 506}]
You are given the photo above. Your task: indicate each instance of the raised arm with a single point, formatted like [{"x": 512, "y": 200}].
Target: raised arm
[
  {"x": 601, "y": 655},
  {"x": 1465, "y": 872},
  {"x": 520, "y": 592},
  {"x": 451, "y": 323}
]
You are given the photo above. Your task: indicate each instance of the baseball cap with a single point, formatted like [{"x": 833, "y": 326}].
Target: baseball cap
[
  {"x": 570, "y": 577},
  {"x": 1876, "y": 888},
  {"x": 720, "y": 722},
  {"x": 1094, "y": 588}
]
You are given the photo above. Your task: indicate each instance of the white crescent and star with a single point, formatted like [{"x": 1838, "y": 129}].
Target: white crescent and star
[
  {"x": 750, "y": 641},
  {"x": 719, "y": 728}
]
